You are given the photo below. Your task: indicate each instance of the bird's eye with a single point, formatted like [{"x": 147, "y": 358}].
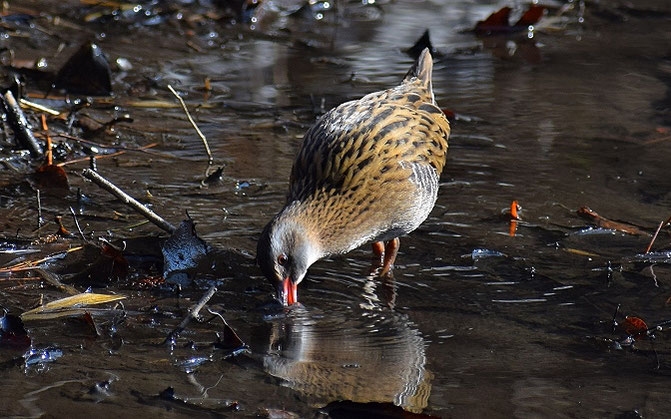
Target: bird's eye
[{"x": 282, "y": 259}]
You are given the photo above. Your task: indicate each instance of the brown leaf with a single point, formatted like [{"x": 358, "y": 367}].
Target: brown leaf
[
  {"x": 533, "y": 14},
  {"x": 119, "y": 264},
  {"x": 634, "y": 326},
  {"x": 496, "y": 22},
  {"x": 51, "y": 176}
]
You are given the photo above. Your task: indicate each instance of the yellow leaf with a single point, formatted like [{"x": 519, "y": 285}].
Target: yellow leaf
[{"x": 57, "y": 308}]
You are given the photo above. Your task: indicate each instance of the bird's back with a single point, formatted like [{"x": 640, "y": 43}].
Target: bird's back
[{"x": 364, "y": 165}]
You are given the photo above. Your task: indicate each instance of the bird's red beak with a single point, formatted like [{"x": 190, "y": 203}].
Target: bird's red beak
[{"x": 289, "y": 292}]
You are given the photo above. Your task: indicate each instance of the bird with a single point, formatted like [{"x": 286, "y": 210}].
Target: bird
[{"x": 367, "y": 172}]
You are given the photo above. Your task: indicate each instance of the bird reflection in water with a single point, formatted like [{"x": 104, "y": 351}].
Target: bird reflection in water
[{"x": 352, "y": 354}]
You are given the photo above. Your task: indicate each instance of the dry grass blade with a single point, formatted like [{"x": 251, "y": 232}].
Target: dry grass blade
[
  {"x": 193, "y": 123},
  {"x": 654, "y": 237},
  {"x": 31, "y": 264}
]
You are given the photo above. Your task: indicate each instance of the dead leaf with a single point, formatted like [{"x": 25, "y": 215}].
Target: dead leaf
[
  {"x": 496, "y": 22},
  {"x": 533, "y": 14},
  {"x": 634, "y": 326},
  {"x": 51, "y": 176},
  {"x": 68, "y": 306}
]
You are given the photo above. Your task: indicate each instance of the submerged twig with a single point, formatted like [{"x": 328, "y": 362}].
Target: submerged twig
[
  {"x": 128, "y": 200},
  {"x": 19, "y": 123},
  {"x": 106, "y": 156},
  {"x": 654, "y": 237},
  {"x": 31, "y": 264},
  {"x": 193, "y": 123},
  {"x": 604, "y": 222},
  {"x": 192, "y": 315},
  {"x": 56, "y": 282}
]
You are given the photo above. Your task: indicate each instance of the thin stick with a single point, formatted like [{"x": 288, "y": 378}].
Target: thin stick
[
  {"x": 19, "y": 124},
  {"x": 128, "y": 200},
  {"x": 193, "y": 123},
  {"x": 193, "y": 314},
  {"x": 654, "y": 237},
  {"x": 74, "y": 216},
  {"x": 38, "y": 107},
  {"x": 106, "y": 156},
  {"x": 39, "y": 212}
]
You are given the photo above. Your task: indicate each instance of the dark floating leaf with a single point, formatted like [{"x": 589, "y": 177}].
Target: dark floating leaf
[
  {"x": 167, "y": 394},
  {"x": 84, "y": 324},
  {"x": 214, "y": 177},
  {"x": 230, "y": 341},
  {"x": 87, "y": 72},
  {"x": 182, "y": 251},
  {"x": 119, "y": 264},
  {"x": 354, "y": 410},
  {"x": 423, "y": 42},
  {"x": 12, "y": 332}
]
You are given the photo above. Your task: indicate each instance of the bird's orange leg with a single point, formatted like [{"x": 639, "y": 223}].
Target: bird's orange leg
[
  {"x": 390, "y": 252},
  {"x": 378, "y": 252}
]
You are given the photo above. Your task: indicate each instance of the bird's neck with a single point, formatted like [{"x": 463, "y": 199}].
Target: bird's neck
[{"x": 327, "y": 230}]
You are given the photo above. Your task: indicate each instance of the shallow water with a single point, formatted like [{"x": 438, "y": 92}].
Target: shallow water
[{"x": 478, "y": 322}]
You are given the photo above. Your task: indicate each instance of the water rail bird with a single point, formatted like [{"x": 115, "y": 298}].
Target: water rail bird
[{"x": 367, "y": 171}]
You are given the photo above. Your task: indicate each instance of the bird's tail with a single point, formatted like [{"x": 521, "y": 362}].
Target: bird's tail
[{"x": 422, "y": 69}]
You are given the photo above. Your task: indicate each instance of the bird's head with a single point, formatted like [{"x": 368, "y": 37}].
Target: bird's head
[{"x": 285, "y": 252}]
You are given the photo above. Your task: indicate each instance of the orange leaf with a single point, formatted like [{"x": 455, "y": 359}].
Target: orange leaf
[
  {"x": 513, "y": 228},
  {"x": 514, "y": 210}
]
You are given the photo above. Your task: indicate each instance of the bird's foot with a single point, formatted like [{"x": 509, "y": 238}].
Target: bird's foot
[{"x": 385, "y": 255}]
